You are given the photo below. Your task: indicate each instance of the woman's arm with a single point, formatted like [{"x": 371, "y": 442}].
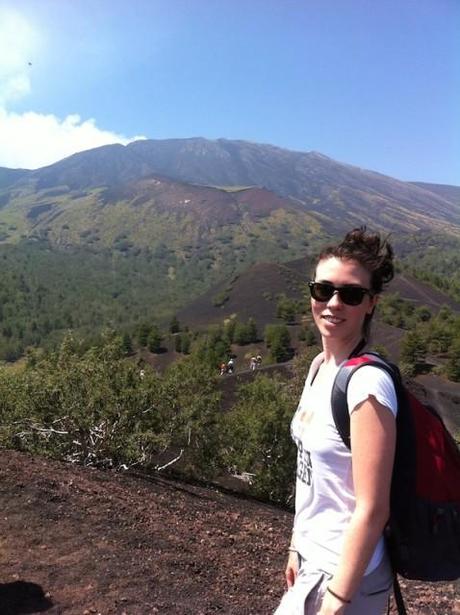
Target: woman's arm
[{"x": 373, "y": 438}]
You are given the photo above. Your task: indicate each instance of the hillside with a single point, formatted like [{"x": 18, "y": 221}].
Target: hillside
[
  {"x": 78, "y": 541},
  {"x": 451, "y": 193},
  {"x": 255, "y": 292},
  {"x": 119, "y": 235},
  {"x": 339, "y": 195}
]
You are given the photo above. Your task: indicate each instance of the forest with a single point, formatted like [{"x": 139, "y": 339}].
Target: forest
[
  {"x": 76, "y": 327},
  {"x": 95, "y": 404}
]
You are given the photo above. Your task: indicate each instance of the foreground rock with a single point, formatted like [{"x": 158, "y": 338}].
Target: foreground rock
[{"x": 75, "y": 541}]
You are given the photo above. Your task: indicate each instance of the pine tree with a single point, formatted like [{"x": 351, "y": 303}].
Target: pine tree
[
  {"x": 126, "y": 344},
  {"x": 174, "y": 325},
  {"x": 154, "y": 340},
  {"x": 143, "y": 334},
  {"x": 413, "y": 350}
]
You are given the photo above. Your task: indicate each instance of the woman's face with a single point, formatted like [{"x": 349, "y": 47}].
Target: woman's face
[{"x": 334, "y": 318}]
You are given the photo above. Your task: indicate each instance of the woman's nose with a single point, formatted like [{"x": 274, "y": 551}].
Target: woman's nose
[{"x": 335, "y": 299}]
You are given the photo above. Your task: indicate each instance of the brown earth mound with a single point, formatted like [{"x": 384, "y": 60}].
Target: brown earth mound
[
  {"x": 81, "y": 541},
  {"x": 254, "y": 293}
]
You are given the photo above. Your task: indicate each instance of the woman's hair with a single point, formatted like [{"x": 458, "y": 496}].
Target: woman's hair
[{"x": 372, "y": 252}]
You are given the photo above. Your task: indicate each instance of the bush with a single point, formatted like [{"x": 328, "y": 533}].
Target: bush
[
  {"x": 307, "y": 335},
  {"x": 381, "y": 350},
  {"x": 278, "y": 340},
  {"x": 453, "y": 363},
  {"x": 243, "y": 334},
  {"x": 257, "y": 437},
  {"x": 182, "y": 343},
  {"x": 220, "y": 299},
  {"x": 95, "y": 408},
  {"x": 286, "y": 309},
  {"x": 413, "y": 350}
]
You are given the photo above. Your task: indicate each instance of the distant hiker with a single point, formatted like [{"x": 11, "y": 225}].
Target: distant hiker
[
  {"x": 253, "y": 364},
  {"x": 337, "y": 561},
  {"x": 230, "y": 366},
  {"x": 259, "y": 360},
  {"x": 223, "y": 369},
  {"x": 142, "y": 374}
]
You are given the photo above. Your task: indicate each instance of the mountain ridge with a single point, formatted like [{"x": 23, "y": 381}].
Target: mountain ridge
[{"x": 337, "y": 192}]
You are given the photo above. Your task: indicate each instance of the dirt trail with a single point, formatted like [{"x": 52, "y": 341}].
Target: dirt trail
[{"x": 80, "y": 541}]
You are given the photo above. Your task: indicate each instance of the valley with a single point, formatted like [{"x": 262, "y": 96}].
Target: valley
[{"x": 130, "y": 273}]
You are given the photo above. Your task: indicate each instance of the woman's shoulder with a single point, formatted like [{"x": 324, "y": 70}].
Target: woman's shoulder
[
  {"x": 314, "y": 366},
  {"x": 373, "y": 373},
  {"x": 316, "y": 362},
  {"x": 372, "y": 380}
]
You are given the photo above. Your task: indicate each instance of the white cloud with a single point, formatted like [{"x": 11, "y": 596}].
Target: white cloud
[{"x": 31, "y": 140}]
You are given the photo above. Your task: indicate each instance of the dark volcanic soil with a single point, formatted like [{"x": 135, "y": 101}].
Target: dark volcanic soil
[{"x": 81, "y": 541}]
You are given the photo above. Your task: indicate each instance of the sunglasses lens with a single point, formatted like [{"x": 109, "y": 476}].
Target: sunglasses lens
[
  {"x": 321, "y": 292},
  {"x": 352, "y": 295}
]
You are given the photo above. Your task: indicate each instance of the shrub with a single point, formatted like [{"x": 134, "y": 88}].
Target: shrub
[
  {"x": 257, "y": 437},
  {"x": 278, "y": 340},
  {"x": 95, "y": 408}
]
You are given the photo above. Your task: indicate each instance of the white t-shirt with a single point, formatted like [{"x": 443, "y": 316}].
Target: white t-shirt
[{"x": 325, "y": 497}]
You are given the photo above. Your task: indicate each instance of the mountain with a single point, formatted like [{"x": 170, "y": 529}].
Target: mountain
[
  {"x": 121, "y": 234},
  {"x": 11, "y": 176},
  {"x": 339, "y": 195},
  {"x": 450, "y": 193},
  {"x": 176, "y": 223}
]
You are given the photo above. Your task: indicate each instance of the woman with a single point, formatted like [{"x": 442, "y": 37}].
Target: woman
[{"x": 337, "y": 562}]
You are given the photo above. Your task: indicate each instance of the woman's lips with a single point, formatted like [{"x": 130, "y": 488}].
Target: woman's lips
[{"x": 332, "y": 319}]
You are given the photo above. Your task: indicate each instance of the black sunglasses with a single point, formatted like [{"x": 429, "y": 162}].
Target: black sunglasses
[{"x": 349, "y": 294}]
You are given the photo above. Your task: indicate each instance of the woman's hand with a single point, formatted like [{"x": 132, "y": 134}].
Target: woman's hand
[
  {"x": 331, "y": 605},
  {"x": 292, "y": 568}
]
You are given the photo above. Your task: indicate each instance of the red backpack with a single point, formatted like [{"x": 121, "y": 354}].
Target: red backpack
[{"x": 423, "y": 531}]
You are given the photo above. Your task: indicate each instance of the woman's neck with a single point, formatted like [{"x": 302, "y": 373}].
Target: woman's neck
[{"x": 336, "y": 351}]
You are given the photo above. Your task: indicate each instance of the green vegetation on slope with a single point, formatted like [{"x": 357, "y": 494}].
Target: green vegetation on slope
[
  {"x": 122, "y": 279},
  {"x": 44, "y": 293},
  {"x": 97, "y": 408},
  {"x": 434, "y": 259}
]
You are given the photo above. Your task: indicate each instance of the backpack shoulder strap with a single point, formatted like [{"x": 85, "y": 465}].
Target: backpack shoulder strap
[{"x": 339, "y": 404}]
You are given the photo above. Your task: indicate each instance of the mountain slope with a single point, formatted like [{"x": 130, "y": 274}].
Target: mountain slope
[
  {"x": 450, "y": 193},
  {"x": 255, "y": 293},
  {"x": 131, "y": 253},
  {"x": 118, "y": 234},
  {"x": 163, "y": 216},
  {"x": 340, "y": 194},
  {"x": 152, "y": 546}
]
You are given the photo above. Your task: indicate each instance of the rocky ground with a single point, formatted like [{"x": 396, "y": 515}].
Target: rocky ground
[{"x": 80, "y": 541}]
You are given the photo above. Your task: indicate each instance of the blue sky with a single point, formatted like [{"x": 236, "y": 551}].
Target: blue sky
[{"x": 374, "y": 84}]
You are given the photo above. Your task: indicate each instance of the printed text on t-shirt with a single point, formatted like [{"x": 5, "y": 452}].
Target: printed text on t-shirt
[{"x": 304, "y": 467}]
